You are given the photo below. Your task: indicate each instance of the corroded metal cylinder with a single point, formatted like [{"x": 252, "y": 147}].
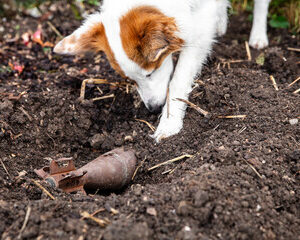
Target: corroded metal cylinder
[{"x": 110, "y": 171}]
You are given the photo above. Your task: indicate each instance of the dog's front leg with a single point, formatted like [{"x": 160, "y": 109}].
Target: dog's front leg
[{"x": 189, "y": 63}]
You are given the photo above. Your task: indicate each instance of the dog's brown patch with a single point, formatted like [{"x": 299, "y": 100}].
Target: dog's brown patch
[
  {"x": 93, "y": 40},
  {"x": 148, "y": 36}
]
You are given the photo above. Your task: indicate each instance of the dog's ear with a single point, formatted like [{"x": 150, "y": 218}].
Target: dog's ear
[
  {"x": 154, "y": 45},
  {"x": 148, "y": 36},
  {"x": 90, "y": 37},
  {"x": 160, "y": 39}
]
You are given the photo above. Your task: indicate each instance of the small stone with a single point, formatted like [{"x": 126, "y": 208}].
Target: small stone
[
  {"x": 245, "y": 204},
  {"x": 184, "y": 209},
  {"x": 128, "y": 139},
  {"x": 186, "y": 233},
  {"x": 200, "y": 198},
  {"x": 294, "y": 121},
  {"x": 151, "y": 211},
  {"x": 97, "y": 140},
  {"x": 236, "y": 143},
  {"x": 137, "y": 189}
]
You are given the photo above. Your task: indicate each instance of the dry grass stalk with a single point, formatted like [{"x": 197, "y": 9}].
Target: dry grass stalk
[
  {"x": 170, "y": 161},
  {"x": 253, "y": 168},
  {"x": 103, "y": 97},
  {"x": 291, "y": 84},
  {"x": 293, "y": 49},
  {"x": 137, "y": 169},
  {"x": 274, "y": 83},
  {"x": 248, "y": 51},
  {"x": 94, "y": 213},
  {"x": 166, "y": 172},
  {"x": 54, "y": 29},
  {"x": 297, "y": 91},
  {"x": 233, "y": 116},
  {"x": 5, "y": 169},
  {"x": 228, "y": 62},
  {"x": 97, "y": 81},
  {"x": 26, "y": 114},
  {"x": 43, "y": 189},
  {"x": 101, "y": 222},
  {"x": 194, "y": 106},
  {"x": 25, "y": 222},
  {"x": 148, "y": 124}
]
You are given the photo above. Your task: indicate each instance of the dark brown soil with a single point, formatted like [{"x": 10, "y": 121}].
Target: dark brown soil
[{"x": 242, "y": 183}]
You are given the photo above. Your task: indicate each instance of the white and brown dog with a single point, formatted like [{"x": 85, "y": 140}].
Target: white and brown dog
[{"x": 140, "y": 36}]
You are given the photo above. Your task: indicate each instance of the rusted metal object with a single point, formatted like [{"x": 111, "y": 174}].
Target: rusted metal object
[{"x": 111, "y": 171}]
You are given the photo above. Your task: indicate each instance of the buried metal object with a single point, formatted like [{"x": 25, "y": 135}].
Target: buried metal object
[{"x": 110, "y": 171}]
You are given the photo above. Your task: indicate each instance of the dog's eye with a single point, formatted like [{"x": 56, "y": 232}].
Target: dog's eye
[{"x": 149, "y": 75}]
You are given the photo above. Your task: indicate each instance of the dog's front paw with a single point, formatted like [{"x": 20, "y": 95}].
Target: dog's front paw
[
  {"x": 167, "y": 127},
  {"x": 258, "y": 41}
]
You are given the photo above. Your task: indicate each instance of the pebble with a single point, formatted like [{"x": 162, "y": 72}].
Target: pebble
[
  {"x": 294, "y": 121},
  {"x": 97, "y": 140},
  {"x": 184, "y": 209},
  {"x": 201, "y": 197},
  {"x": 151, "y": 211},
  {"x": 245, "y": 204}
]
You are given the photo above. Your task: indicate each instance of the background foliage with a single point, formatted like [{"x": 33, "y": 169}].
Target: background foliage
[{"x": 282, "y": 14}]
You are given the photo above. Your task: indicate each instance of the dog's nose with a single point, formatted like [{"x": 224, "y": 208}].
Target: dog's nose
[{"x": 154, "y": 108}]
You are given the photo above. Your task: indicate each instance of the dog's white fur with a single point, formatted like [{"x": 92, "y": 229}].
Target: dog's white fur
[{"x": 198, "y": 22}]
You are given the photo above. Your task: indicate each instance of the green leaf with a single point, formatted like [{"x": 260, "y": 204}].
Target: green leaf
[
  {"x": 279, "y": 22},
  {"x": 260, "y": 60}
]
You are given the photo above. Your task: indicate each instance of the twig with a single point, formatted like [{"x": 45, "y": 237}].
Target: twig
[
  {"x": 101, "y": 222},
  {"x": 253, "y": 168},
  {"x": 43, "y": 189},
  {"x": 248, "y": 51},
  {"x": 25, "y": 222},
  {"x": 166, "y": 172},
  {"x": 242, "y": 130},
  {"x": 291, "y": 84},
  {"x": 97, "y": 81},
  {"x": 104, "y": 97},
  {"x": 26, "y": 114},
  {"x": 194, "y": 106},
  {"x": 233, "y": 116},
  {"x": 94, "y": 213},
  {"x": 170, "y": 161},
  {"x": 293, "y": 49},
  {"x": 148, "y": 124},
  {"x": 274, "y": 83},
  {"x": 298, "y": 90},
  {"x": 137, "y": 169},
  {"x": 3, "y": 165},
  {"x": 228, "y": 62},
  {"x": 234, "y": 61},
  {"x": 54, "y": 29}
]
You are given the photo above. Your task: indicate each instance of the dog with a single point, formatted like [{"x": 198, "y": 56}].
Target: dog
[{"x": 139, "y": 38}]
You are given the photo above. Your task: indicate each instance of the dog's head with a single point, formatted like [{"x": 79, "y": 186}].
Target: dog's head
[{"x": 138, "y": 45}]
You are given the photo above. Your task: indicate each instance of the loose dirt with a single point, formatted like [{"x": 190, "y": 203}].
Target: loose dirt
[{"x": 241, "y": 183}]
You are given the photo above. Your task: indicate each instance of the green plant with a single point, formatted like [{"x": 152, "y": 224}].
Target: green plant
[{"x": 282, "y": 13}]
